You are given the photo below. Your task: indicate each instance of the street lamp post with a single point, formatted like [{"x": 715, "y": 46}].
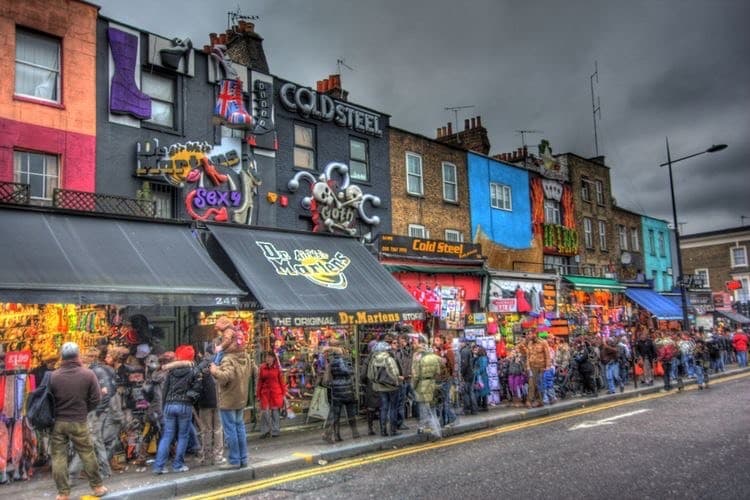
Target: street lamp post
[{"x": 669, "y": 162}]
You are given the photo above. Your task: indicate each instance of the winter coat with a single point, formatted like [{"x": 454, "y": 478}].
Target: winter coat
[
  {"x": 582, "y": 357},
  {"x": 153, "y": 389},
  {"x": 609, "y": 354},
  {"x": 270, "y": 388},
  {"x": 379, "y": 360},
  {"x": 233, "y": 380},
  {"x": 426, "y": 376},
  {"x": 480, "y": 375},
  {"x": 467, "y": 366},
  {"x": 739, "y": 342},
  {"x": 209, "y": 397},
  {"x": 562, "y": 359},
  {"x": 404, "y": 358},
  {"x": 76, "y": 391},
  {"x": 645, "y": 349},
  {"x": 537, "y": 355},
  {"x": 105, "y": 375},
  {"x": 667, "y": 352},
  {"x": 372, "y": 398},
  {"x": 342, "y": 386},
  {"x": 182, "y": 385}
]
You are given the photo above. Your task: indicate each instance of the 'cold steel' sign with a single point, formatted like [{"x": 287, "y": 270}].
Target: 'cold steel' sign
[{"x": 418, "y": 247}]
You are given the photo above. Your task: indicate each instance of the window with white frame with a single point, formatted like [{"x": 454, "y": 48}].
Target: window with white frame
[
  {"x": 450, "y": 182},
  {"x": 500, "y": 196},
  {"x": 602, "y": 235},
  {"x": 304, "y": 146},
  {"x": 702, "y": 275},
  {"x": 743, "y": 294},
  {"x": 418, "y": 231},
  {"x": 358, "y": 169},
  {"x": 651, "y": 242},
  {"x": 414, "y": 174},
  {"x": 40, "y": 171},
  {"x": 623, "y": 237},
  {"x": 635, "y": 239},
  {"x": 739, "y": 256},
  {"x": 599, "y": 192},
  {"x": 37, "y": 65},
  {"x": 551, "y": 211},
  {"x": 588, "y": 233},
  {"x": 585, "y": 189},
  {"x": 453, "y": 235},
  {"x": 662, "y": 245},
  {"x": 161, "y": 89}
]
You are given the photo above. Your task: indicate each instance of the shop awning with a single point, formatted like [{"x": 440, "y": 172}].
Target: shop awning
[
  {"x": 736, "y": 317},
  {"x": 656, "y": 304},
  {"x": 81, "y": 259},
  {"x": 477, "y": 270},
  {"x": 307, "y": 279},
  {"x": 591, "y": 283}
]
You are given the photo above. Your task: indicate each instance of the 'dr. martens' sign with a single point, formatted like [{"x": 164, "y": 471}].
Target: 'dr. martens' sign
[
  {"x": 418, "y": 247},
  {"x": 346, "y": 318},
  {"x": 310, "y": 104}
]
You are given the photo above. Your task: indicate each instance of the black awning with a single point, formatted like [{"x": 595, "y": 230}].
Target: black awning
[
  {"x": 738, "y": 318},
  {"x": 80, "y": 259},
  {"x": 312, "y": 279}
]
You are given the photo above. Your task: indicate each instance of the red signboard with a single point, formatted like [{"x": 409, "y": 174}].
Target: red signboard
[
  {"x": 734, "y": 285},
  {"x": 18, "y": 360}
]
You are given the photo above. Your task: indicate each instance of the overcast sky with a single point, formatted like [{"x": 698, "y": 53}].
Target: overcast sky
[{"x": 677, "y": 69}]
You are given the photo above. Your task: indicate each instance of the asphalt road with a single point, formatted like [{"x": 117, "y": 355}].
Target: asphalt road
[{"x": 694, "y": 444}]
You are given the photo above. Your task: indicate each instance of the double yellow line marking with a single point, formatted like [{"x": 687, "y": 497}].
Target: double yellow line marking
[{"x": 420, "y": 448}]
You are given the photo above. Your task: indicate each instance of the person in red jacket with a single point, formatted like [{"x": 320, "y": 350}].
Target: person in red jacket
[
  {"x": 739, "y": 342},
  {"x": 270, "y": 391}
]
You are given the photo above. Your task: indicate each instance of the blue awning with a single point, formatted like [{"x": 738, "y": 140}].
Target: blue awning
[{"x": 656, "y": 304}]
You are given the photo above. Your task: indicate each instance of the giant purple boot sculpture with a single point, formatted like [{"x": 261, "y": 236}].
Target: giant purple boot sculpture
[{"x": 124, "y": 95}]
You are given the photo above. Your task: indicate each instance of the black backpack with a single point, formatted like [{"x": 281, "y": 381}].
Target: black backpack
[{"x": 40, "y": 405}]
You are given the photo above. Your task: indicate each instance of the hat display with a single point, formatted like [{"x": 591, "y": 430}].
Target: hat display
[{"x": 142, "y": 351}]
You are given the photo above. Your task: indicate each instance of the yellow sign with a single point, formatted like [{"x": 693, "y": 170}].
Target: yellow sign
[{"x": 312, "y": 264}]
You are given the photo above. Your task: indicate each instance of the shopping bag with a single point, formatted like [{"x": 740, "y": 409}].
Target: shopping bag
[
  {"x": 319, "y": 404},
  {"x": 638, "y": 369},
  {"x": 658, "y": 369}
]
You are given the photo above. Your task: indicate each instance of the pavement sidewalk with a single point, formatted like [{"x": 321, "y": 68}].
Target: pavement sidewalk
[{"x": 300, "y": 448}]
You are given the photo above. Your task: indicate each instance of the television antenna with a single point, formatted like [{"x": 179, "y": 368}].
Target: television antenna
[
  {"x": 341, "y": 62},
  {"x": 234, "y": 15},
  {"x": 524, "y": 132},
  {"x": 596, "y": 106},
  {"x": 455, "y": 114}
]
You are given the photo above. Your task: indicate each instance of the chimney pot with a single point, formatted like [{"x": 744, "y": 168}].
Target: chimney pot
[
  {"x": 250, "y": 28},
  {"x": 473, "y": 123},
  {"x": 214, "y": 38},
  {"x": 336, "y": 81},
  {"x": 466, "y": 124},
  {"x": 206, "y": 49},
  {"x": 450, "y": 128},
  {"x": 243, "y": 25},
  {"x": 319, "y": 85},
  {"x": 223, "y": 39},
  {"x": 479, "y": 121},
  {"x": 438, "y": 133}
]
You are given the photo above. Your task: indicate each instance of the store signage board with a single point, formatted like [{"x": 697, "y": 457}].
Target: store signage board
[
  {"x": 418, "y": 247},
  {"x": 523, "y": 296},
  {"x": 345, "y": 318},
  {"x": 18, "y": 360}
]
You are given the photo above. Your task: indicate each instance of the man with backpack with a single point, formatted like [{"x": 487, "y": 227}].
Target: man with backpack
[
  {"x": 383, "y": 374},
  {"x": 76, "y": 392}
]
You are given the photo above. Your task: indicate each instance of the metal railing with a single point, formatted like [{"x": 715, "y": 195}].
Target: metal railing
[
  {"x": 102, "y": 203},
  {"x": 15, "y": 192}
]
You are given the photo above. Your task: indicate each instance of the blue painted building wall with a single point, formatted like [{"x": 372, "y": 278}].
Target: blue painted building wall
[
  {"x": 655, "y": 262},
  {"x": 511, "y": 228}
]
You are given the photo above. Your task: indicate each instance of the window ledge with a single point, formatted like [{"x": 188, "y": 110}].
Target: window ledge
[
  {"x": 34, "y": 100},
  {"x": 415, "y": 195},
  {"x": 160, "y": 128},
  {"x": 451, "y": 202}
]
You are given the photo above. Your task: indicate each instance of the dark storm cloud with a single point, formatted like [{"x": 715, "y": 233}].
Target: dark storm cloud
[{"x": 676, "y": 69}]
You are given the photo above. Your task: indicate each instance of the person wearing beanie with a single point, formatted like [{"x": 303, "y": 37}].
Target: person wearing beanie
[
  {"x": 181, "y": 386},
  {"x": 76, "y": 392}
]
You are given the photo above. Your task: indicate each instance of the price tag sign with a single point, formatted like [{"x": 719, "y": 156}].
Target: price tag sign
[{"x": 18, "y": 360}]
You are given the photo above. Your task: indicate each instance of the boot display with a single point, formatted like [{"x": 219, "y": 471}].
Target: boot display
[
  {"x": 230, "y": 108},
  {"x": 124, "y": 95}
]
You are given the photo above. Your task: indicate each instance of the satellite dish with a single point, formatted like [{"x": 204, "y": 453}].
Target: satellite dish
[{"x": 626, "y": 258}]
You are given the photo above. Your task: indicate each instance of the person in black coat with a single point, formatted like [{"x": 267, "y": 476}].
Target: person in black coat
[
  {"x": 341, "y": 385},
  {"x": 212, "y": 437}
]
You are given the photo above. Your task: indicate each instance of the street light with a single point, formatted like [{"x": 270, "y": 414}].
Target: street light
[{"x": 669, "y": 162}]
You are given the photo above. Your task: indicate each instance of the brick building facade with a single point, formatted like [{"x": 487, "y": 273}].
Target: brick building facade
[
  {"x": 441, "y": 210},
  {"x": 628, "y": 250}
]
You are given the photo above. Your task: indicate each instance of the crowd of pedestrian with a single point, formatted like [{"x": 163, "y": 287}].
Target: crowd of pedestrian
[{"x": 182, "y": 401}]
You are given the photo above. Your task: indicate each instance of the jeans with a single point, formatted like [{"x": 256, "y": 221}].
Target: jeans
[
  {"x": 742, "y": 359},
  {"x": 405, "y": 392},
  {"x": 177, "y": 419},
  {"x": 235, "y": 436},
  {"x": 447, "y": 414},
  {"x": 723, "y": 358},
  {"x": 469, "y": 398},
  {"x": 701, "y": 375},
  {"x": 613, "y": 375},
  {"x": 78, "y": 434},
  {"x": 388, "y": 410}
]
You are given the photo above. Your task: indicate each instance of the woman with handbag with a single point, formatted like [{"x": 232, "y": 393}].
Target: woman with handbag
[{"x": 270, "y": 391}]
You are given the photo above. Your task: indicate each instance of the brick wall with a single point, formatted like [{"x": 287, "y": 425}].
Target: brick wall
[
  {"x": 580, "y": 169},
  {"x": 631, "y": 221},
  {"x": 716, "y": 258},
  {"x": 430, "y": 210}
]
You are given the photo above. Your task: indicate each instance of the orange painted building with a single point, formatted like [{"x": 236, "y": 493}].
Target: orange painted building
[{"x": 48, "y": 95}]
